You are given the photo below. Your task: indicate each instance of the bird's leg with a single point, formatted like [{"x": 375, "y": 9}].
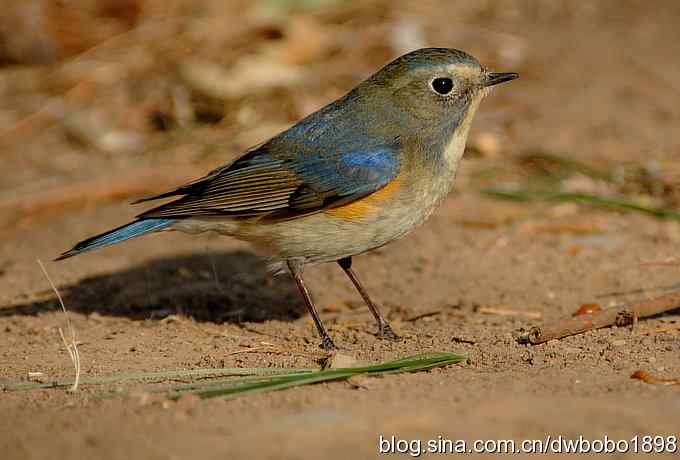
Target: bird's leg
[
  {"x": 384, "y": 329},
  {"x": 295, "y": 268}
]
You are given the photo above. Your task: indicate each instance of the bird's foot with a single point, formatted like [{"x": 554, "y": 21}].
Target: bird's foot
[
  {"x": 327, "y": 344},
  {"x": 385, "y": 332}
]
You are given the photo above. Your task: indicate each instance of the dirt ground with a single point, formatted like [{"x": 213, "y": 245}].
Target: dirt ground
[{"x": 599, "y": 84}]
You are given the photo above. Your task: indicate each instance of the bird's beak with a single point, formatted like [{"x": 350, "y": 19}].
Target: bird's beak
[{"x": 494, "y": 78}]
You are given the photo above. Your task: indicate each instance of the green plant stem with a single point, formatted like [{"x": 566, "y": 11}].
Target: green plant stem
[
  {"x": 618, "y": 203},
  {"x": 410, "y": 364},
  {"x": 14, "y": 385}
]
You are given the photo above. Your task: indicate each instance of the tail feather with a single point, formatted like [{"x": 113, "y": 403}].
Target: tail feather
[{"x": 117, "y": 235}]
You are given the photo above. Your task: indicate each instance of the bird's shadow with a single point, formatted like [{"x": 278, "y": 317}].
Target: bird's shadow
[{"x": 220, "y": 287}]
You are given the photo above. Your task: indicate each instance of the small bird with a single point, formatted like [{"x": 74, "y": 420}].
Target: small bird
[{"x": 357, "y": 174}]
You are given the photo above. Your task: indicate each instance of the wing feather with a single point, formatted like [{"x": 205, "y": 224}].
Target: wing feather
[{"x": 262, "y": 185}]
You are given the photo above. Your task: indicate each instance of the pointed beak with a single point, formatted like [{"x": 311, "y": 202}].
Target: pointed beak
[{"x": 494, "y": 78}]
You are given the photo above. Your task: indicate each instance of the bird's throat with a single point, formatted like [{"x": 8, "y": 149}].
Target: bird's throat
[{"x": 455, "y": 147}]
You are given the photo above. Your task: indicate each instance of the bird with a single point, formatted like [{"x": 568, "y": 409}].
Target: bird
[{"x": 359, "y": 173}]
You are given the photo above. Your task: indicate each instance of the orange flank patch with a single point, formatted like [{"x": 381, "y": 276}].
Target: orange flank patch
[{"x": 367, "y": 205}]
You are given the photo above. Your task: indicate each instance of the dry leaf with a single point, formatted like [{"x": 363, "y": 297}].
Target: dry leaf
[
  {"x": 648, "y": 378},
  {"x": 587, "y": 309}
]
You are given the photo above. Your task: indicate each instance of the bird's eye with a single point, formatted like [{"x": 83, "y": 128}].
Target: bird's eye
[{"x": 442, "y": 85}]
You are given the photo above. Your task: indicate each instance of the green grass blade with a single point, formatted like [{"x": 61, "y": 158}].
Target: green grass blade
[
  {"x": 253, "y": 380},
  {"x": 618, "y": 203},
  {"x": 223, "y": 383},
  {"x": 568, "y": 165},
  {"x": 15, "y": 385},
  {"x": 409, "y": 364}
]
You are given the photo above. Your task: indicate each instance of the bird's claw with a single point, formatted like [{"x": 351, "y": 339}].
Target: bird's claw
[
  {"x": 327, "y": 344},
  {"x": 385, "y": 332}
]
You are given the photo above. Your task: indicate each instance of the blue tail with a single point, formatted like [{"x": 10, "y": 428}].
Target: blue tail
[{"x": 126, "y": 232}]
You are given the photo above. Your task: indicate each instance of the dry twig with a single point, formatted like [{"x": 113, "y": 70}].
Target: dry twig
[
  {"x": 509, "y": 312},
  {"x": 620, "y": 316},
  {"x": 664, "y": 329},
  {"x": 674, "y": 262},
  {"x": 423, "y": 315}
]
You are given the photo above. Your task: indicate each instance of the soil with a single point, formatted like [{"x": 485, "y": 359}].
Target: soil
[{"x": 598, "y": 84}]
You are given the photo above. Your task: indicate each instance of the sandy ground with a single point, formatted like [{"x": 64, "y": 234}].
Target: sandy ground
[{"x": 599, "y": 86}]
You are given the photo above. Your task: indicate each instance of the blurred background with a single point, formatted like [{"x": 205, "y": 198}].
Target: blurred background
[{"x": 102, "y": 100}]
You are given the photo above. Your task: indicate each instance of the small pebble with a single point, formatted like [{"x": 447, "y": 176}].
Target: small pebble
[
  {"x": 340, "y": 360},
  {"x": 538, "y": 359}
]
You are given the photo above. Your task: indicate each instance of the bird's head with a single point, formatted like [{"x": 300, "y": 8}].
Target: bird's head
[{"x": 432, "y": 86}]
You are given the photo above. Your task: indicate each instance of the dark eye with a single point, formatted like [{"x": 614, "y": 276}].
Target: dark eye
[{"x": 442, "y": 85}]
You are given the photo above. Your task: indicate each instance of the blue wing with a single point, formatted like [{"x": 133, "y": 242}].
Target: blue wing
[{"x": 270, "y": 182}]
